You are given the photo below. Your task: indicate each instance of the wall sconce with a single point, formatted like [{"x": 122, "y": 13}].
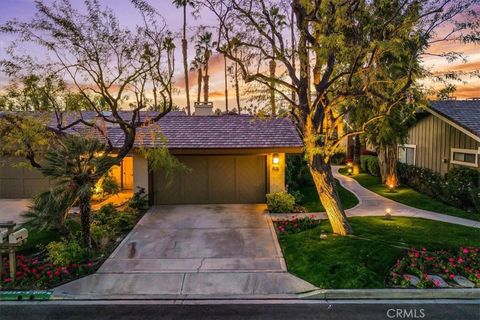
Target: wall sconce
[{"x": 275, "y": 159}]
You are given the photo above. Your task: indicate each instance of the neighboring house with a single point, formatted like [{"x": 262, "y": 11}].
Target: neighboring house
[
  {"x": 231, "y": 159},
  {"x": 446, "y": 134}
]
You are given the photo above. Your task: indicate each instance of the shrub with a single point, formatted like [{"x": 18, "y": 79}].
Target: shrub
[
  {"x": 459, "y": 184},
  {"x": 65, "y": 253},
  {"x": 139, "y": 201},
  {"x": 475, "y": 195},
  {"x": 109, "y": 185},
  {"x": 279, "y": 202},
  {"x": 297, "y": 174},
  {"x": 423, "y": 180},
  {"x": 102, "y": 234},
  {"x": 297, "y": 195},
  {"x": 105, "y": 214},
  {"x": 369, "y": 164},
  {"x": 124, "y": 221}
]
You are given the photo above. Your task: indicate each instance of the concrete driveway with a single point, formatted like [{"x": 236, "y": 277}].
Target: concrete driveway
[
  {"x": 194, "y": 250},
  {"x": 12, "y": 209}
]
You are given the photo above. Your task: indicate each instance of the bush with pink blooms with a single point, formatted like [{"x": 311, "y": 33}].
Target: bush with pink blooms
[
  {"x": 446, "y": 264},
  {"x": 38, "y": 273},
  {"x": 296, "y": 224}
]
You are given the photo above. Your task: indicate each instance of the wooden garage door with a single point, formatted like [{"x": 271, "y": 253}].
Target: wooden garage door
[
  {"x": 17, "y": 183},
  {"x": 213, "y": 179}
]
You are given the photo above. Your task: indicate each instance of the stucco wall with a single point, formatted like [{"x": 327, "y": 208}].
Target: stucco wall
[
  {"x": 276, "y": 173},
  {"x": 140, "y": 172}
]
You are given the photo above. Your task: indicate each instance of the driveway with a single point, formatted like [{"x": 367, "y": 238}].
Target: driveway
[
  {"x": 194, "y": 250},
  {"x": 12, "y": 209}
]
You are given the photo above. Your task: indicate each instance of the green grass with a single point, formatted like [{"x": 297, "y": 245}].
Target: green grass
[
  {"x": 364, "y": 259},
  {"x": 312, "y": 203},
  {"x": 410, "y": 197}
]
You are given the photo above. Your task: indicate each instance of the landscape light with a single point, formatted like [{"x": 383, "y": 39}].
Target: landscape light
[
  {"x": 388, "y": 214},
  {"x": 350, "y": 171}
]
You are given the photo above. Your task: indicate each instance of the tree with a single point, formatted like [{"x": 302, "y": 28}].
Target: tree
[
  {"x": 225, "y": 70},
  {"x": 184, "y": 4},
  {"x": 111, "y": 67},
  {"x": 340, "y": 43},
  {"x": 204, "y": 47},
  {"x": 197, "y": 65}
]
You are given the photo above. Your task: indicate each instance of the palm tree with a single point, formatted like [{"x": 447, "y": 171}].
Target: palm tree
[
  {"x": 75, "y": 164},
  {"x": 197, "y": 65},
  {"x": 204, "y": 47},
  {"x": 183, "y": 4},
  {"x": 225, "y": 69}
]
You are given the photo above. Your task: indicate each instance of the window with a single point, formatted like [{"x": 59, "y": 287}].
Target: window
[
  {"x": 464, "y": 157},
  {"x": 407, "y": 154}
]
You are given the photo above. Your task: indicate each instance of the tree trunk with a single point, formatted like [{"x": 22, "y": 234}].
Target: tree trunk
[
  {"x": 85, "y": 220},
  {"x": 387, "y": 159},
  {"x": 205, "y": 83},
  {"x": 185, "y": 63},
  {"x": 357, "y": 148},
  {"x": 273, "y": 66},
  {"x": 200, "y": 76},
  {"x": 237, "y": 87},
  {"x": 328, "y": 194},
  {"x": 226, "y": 82}
]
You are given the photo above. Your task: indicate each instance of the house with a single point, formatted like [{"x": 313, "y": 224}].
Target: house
[
  {"x": 230, "y": 159},
  {"x": 446, "y": 134}
]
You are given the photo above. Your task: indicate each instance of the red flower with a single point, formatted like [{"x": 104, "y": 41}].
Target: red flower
[
  {"x": 7, "y": 280},
  {"x": 465, "y": 250},
  {"x": 451, "y": 276},
  {"x": 57, "y": 273},
  {"x": 90, "y": 264}
]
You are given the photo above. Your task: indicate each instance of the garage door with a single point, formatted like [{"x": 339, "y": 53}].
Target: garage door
[
  {"x": 18, "y": 183},
  {"x": 213, "y": 179}
]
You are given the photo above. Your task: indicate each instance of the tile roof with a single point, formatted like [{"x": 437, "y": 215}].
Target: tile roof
[
  {"x": 465, "y": 113},
  {"x": 179, "y": 131}
]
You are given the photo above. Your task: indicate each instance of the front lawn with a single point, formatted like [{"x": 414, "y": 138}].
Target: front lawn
[
  {"x": 312, "y": 203},
  {"x": 364, "y": 259},
  {"x": 410, "y": 197}
]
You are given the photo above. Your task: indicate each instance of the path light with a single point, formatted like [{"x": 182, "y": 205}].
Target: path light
[
  {"x": 350, "y": 170},
  {"x": 391, "y": 188},
  {"x": 388, "y": 214}
]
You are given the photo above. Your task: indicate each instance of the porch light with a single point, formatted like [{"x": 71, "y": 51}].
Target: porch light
[
  {"x": 388, "y": 214},
  {"x": 275, "y": 159}
]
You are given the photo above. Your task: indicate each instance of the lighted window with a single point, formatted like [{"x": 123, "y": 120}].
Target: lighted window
[{"x": 407, "y": 154}]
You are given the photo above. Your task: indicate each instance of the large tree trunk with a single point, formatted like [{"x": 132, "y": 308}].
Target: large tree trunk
[
  {"x": 85, "y": 220},
  {"x": 387, "y": 159},
  {"x": 328, "y": 194},
  {"x": 200, "y": 76},
  {"x": 321, "y": 172}
]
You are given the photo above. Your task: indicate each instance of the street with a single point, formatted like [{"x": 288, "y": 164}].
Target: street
[{"x": 318, "y": 309}]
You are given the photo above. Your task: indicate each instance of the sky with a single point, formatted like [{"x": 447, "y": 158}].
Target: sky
[{"x": 25, "y": 9}]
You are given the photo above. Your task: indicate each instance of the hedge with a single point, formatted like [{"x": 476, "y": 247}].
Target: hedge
[
  {"x": 369, "y": 164},
  {"x": 459, "y": 188}
]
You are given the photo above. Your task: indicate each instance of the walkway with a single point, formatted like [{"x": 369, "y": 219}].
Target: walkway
[{"x": 372, "y": 204}]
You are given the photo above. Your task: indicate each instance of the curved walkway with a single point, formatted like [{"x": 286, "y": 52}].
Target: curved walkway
[{"x": 372, "y": 204}]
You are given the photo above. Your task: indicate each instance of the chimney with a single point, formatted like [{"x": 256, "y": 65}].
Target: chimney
[{"x": 203, "y": 108}]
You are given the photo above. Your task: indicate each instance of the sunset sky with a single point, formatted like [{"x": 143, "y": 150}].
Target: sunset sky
[{"x": 24, "y": 9}]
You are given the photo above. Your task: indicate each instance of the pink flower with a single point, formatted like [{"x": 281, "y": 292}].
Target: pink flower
[
  {"x": 7, "y": 280},
  {"x": 90, "y": 264},
  {"x": 417, "y": 254},
  {"x": 436, "y": 283},
  {"x": 465, "y": 250},
  {"x": 451, "y": 276}
]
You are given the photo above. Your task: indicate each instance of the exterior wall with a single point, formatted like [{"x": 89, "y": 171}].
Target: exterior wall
[
  {"x": 140, "y": 173},
  {"x": 276, "y": 173},
  {"x": 434, "y": 139}
]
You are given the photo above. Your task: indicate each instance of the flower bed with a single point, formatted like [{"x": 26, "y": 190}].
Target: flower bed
[
  {"x": 296, "y": 224},
  {"x": 38, "y": 273},
  {"x": 447, "y": 265}
]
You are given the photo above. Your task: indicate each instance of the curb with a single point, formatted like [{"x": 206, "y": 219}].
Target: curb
[{"x": 362, "y": 294}]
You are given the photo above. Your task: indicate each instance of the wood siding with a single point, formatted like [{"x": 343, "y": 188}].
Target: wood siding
[{"x": 434, "y": 139}]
